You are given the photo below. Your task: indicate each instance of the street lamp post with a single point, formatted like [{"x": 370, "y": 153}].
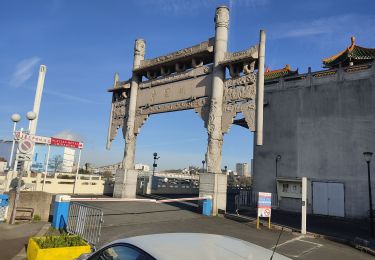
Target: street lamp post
[
  {"x": 30, "y": 116},
  {"x": 203, "y": 162},
  {"x": 277, "y": 159},
  {"x": 15, "y": 118},
  {"x": 154, "y": 165},
  {"x": 368, "y": 156}
]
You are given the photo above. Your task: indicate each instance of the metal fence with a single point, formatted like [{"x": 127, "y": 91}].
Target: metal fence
[
  {"x": 249, "y": 198},
  {"x": 85, "y": 221}
]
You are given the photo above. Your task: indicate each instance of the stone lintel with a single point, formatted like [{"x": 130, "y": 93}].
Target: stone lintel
[
  {"x": 120, "y": 86},
  {"x": 202, "y": 51},
  {"x": 248, "y": 55}
]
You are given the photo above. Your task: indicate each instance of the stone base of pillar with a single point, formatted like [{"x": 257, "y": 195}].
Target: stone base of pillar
[
  {"x": 214, "y": 185},
  {"x": 125, "y": 183},
  {"x": 149, "y": 185}
]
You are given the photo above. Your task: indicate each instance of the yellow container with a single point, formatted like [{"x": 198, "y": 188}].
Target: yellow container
[{"x": 34, "y": 252}]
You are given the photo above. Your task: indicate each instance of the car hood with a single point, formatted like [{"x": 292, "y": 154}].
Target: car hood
[{"x": 199, "y": 246}]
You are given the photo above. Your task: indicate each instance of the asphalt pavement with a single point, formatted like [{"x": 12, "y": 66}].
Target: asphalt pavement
[
  {"x": 13, "y": 238},
  {"x": 127, "y": 219}
]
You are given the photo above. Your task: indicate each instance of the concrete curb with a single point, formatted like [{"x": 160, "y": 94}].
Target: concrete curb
[
  {"x": 22, "y": 253},
  {"x": 348, "y": 242}
]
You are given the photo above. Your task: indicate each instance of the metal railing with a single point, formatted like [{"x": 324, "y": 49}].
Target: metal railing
[
  {"x": 85, "y": 221},
  {"x": 249, "y": 198}
]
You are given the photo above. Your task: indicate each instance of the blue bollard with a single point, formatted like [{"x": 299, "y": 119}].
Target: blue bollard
[
  {"x": 207, "y": 207},
  {"x": 61, "y": 211},
  {"x": 4, "y": 200}
]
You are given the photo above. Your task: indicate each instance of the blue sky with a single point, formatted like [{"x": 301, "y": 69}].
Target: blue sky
[{"x": 83, "y": 43}]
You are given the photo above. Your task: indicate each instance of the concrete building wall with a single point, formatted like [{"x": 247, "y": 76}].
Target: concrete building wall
[
  {"x": 41, "y": 202},
  {"x": 320, "y": 123}
]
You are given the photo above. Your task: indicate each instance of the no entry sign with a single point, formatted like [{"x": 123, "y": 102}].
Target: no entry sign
[
  {"x": 25, "y": 146},
  {"x": 264, "y": 204}
]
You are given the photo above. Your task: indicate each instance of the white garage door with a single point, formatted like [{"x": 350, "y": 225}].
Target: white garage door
[{"x": 328, "y": 198}]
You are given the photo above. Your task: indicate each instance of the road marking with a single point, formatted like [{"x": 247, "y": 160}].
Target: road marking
[{"x": 295, "y": 240}]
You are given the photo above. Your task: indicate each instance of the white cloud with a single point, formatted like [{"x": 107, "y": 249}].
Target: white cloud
[
  {"x": 69, "y": 135},
  {"x": 68, "y": 96},
  {"x": 336, "y": 26},
  {"x": 24, "y": 71}
]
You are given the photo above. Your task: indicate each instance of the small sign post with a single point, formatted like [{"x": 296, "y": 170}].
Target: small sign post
[{"x": 264, "y": 207}]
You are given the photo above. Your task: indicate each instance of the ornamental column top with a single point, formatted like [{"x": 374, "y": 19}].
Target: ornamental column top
[
  {"x": 139, "y": 47},
  {"x": 222, "y": 16}
]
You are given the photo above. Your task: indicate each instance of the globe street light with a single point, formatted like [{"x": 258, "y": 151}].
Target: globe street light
[
  {"x": 368, "y": 156},
  {"x": 15, "y": 118},
  {"x": 203, "y": 162},
  {"x": 30, "y": 116}
]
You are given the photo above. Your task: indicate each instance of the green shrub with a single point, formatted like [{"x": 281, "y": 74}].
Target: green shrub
[
  {"x": 59, "y": 241},
  {"x": 37, "y": 218}
]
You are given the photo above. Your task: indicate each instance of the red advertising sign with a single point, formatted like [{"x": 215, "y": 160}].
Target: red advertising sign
[{"x": 66, "y": 143}]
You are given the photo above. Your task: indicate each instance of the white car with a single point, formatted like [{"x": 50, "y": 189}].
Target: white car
[{"x": 181, "y": 246}]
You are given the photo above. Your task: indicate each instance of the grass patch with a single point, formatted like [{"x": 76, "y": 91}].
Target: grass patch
[
  {"x": 37, "y": 218},
  {"x": 59, "y": 241}
]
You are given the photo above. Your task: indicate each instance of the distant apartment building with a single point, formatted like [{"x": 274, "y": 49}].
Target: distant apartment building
[
  {"x": 242, "y": 169},
  {"x": 109, "y": 168},
  {"x": 68, "y": 159},
  {"x": 142, "y": 167},
  {"x": 5, "y": 149}
]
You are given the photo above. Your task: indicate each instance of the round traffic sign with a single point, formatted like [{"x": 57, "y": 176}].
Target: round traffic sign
[
  {"x": 25, "y": 146},
  {"x": 267, "y": 212}
]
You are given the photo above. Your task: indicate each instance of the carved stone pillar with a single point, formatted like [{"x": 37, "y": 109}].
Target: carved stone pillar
[
  {"x": 126, "y": 178},
  {"x": 214, "y": 182}
]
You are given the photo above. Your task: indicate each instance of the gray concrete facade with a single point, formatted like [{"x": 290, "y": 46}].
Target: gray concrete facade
[{"x": 320, "y": 123}]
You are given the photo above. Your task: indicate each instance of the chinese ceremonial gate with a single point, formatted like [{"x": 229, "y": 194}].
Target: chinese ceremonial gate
[{"x": 191, "y": 78}]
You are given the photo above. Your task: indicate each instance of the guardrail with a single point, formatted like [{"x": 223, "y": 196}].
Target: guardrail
[{"x": 85, "y": 221}]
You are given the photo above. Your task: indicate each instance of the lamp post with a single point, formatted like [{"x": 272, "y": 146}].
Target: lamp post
[
  {"x": 30, "y": 116},
  {"x": 368, "y": 156},
  {"x": 15, "y": 118},
  {"x": 277, "y": 159},
  {"x": 203, "y": 162},
  {"x": 226, "y": 169},
  {"x": 155, "y": 165}
]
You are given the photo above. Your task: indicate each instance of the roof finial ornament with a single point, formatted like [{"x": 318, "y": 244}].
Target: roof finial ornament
[{"x": 353, "y": 40}]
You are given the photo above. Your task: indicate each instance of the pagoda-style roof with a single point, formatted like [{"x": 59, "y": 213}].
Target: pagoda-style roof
[
  {"x": 275, "y": 74},
  {"x": 353, "y": 55}
]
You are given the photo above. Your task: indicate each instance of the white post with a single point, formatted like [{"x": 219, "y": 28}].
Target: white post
[
  {"x": 15, "y": 161},
  {"x": 304, "y": 205},
  {"x": 13, "y": 143},
  {"x": 260, "y": 88},
  {"x": 38, "y": 99},
  {"x": 46, "y": 169},
  {"x": 36, "y": 108},
  {"x": 79, "y": 161}
]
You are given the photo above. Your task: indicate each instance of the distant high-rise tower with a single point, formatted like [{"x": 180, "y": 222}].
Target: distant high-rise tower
[{"x": 242, "y": 169}]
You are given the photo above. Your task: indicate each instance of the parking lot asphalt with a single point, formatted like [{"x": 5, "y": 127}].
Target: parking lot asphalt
[{"x": 127, "y": 219}]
